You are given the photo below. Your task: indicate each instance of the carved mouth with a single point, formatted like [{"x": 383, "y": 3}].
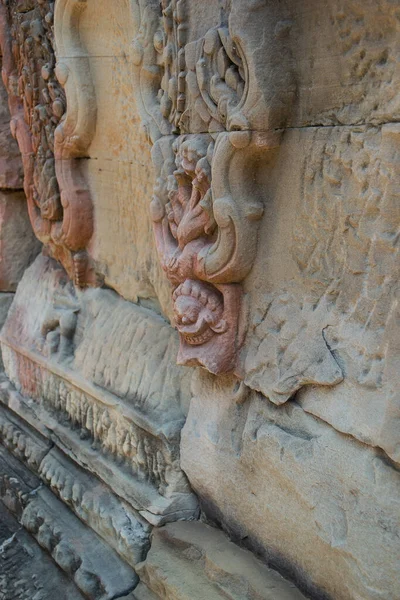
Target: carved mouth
[{"x": 196, "y": 339}]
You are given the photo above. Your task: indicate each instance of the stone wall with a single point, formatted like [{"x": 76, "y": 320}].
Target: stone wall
[{"x": 200, "y": 386}]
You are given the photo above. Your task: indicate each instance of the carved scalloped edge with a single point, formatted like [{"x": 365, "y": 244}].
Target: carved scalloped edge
[
  {"x": 92, "y": 564},
  {"x": 94, "y": 567},
  {"x": 120, "y": 526},
  {"x": 74, "y": 135},
  {"x": 20, "y": 442}
]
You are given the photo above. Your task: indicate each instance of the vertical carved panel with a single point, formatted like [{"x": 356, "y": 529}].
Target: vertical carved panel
[
  {"x": 207, "y": 203},
  {"x": 74, "y": 135},
  {"x": 53, "y": 126}
]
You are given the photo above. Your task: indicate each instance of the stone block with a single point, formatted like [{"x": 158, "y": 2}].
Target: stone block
[
  {"x": 192, "y": 561},
  {"x": 319, "y": 505},
  {"x": 27, "y": 572},
  {"x": 91, "y": 564}
]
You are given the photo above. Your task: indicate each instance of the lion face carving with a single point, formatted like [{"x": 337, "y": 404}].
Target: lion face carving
[{"x": 198, "y": 312}]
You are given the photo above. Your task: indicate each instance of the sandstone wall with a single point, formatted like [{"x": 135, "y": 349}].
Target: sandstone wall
[{"x": 225, "y": 183}]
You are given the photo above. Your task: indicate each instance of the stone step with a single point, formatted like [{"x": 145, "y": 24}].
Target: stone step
[{"x": 193, "y": 561}]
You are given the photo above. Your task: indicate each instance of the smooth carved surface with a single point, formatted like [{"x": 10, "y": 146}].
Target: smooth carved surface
[
  {"x": 51, "y": 140},
  {"x": 205, "y": 228}
]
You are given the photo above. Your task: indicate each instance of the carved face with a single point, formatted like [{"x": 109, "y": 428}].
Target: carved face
[{"x": 198, "y": 312}]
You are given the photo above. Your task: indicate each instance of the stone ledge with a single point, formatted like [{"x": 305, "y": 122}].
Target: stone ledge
[{"x": 192, "y": 561}]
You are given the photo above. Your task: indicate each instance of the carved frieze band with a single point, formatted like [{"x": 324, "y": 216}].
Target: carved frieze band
[
  {"x": 192, "y": 97},
  {"x": 53, "y": 118}
]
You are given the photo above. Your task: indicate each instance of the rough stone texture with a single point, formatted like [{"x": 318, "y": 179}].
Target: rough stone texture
[
  {"x": 193, "y": 560},
  {"x": 327, "y": 313},
  {"x": 26, "y": 571},
  {"x": 260, "y": 142},
  {"x": 11, "y": 172},
  {"x": 319, "y": 505},
  {"x": 345, "y": 57},
  {"x": 119, "y": 165},
  {"x": 5, "y": 302},
  {"x": 93, "y": 502},
  {"x": 94, "y": 568},
  {"x": 111, "y": 401},
  {"x": 18, "y": 245},
  {"x": 53, "y": 118}
]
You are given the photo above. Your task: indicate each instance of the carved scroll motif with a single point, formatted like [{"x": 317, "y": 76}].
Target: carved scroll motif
[
  {"x": 53, "y": 126},
  {"x": 190, "y": 96}
]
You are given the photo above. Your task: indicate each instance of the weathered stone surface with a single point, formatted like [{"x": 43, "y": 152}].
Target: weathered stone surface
[
  {"x": 97, "y": 506},
  {"x": 18, "y": 245},
  {"x": 119, "y": 166},
  {"x": 345, "y": 57},
  {"x": 95, "y": 377},
  {"x": 323, "y": 307},
  {"x": 21, "y": 440},
  {"x": 91, "y": 564},
  {"x": 272, "y": 184},
  {"x": 26, "y": 572},
  {"x": 53, "y": 117},
  {"x": 321, "y": 506},
  {"x": 93, "y": 502},
  {"x": 11, "y": 172},
  {"x": 5, "y": 302},
  {"x": 194, "y": 561}
]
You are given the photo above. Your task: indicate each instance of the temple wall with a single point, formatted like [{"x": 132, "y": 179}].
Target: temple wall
[{"x": 201, "y": 368}]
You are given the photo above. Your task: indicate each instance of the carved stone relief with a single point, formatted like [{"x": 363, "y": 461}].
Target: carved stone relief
[
  {"x": 193, "y": 97},
  {"x": 93, "y": 393},
  {"x": 274, "y": 138},
  {"x": 18, "y": 243},
  {"x": 53, "y": 118}
]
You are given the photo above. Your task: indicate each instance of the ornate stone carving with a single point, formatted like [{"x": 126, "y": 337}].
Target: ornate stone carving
[
  {"x": 53, "y": 126},
  {"x": 205, "y": 221},
  {"x": 216, "y": 81},
  {"x": 72, "y": 373}
]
